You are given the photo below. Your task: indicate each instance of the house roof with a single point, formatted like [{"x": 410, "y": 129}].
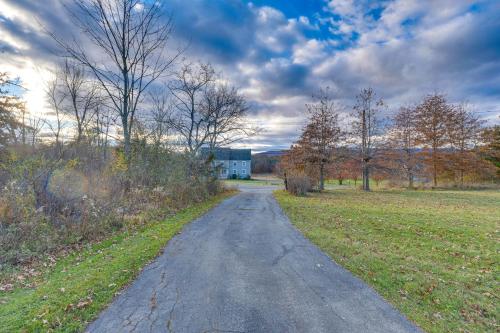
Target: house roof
[{"x": 229, "y": 154}]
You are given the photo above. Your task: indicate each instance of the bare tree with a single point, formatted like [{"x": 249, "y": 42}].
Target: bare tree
[
  {"x": 35, "y": 126},
  {"x": 188, "y": 89},
  {"x": 130, "y": 37},
  {"x": 161, "y": 111},
  {"x": 465, "y": 132},
  {"x": 403, "y": 141},
  {"x": 322, "y": 133},
  {"x": 205, "y": 111},
  {"x": 81, "y": 95},
  {"x": 433, "y": 119},
  {"x": 56, "y": 101},
  {"x": 98, "y": 130},
  {"x": 226, "y": 110},
  {"x": 367, "y": 129}
]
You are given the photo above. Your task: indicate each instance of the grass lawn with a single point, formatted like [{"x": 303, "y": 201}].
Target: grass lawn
[
  {"x": 81, "y": 285},
  {"x": 433, "y": 254}
]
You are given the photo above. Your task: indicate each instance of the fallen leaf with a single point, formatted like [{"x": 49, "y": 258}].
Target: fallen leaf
[
  {"x": 83, "y": 304},
  {"x": 7, "y": 287}
]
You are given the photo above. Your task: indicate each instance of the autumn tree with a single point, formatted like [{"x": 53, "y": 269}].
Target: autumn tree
[
  {"x": 367, "y": 129},
  {"x": 129, "y": 40},
  {"x": 465, "y": 129},
  {"x": 490, "y": 146},
  {"x": 353, "y": 167},
  {"x": 294, "y": 167},
  {"x": 403, "y": 142},
  {"x": 433, "y": 122},
  {"x": 338, "y": 170},
  {"x": 322, "y": 133}
]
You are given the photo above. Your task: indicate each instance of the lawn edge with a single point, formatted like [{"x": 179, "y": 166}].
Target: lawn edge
[
  {"x": 20, "y": 321},
  {"x": 356, "y": 276}
]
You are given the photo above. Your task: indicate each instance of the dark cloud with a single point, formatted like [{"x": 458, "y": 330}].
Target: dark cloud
[{"x": 280, "y": 52}]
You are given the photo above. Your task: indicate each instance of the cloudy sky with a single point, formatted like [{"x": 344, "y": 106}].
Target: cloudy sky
[{"x": 280, "y": 52}]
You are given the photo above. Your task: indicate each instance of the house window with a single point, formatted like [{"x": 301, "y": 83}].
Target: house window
[
  {"x": 234, "y": 163},
  {"x": 243, "y": 171},
  {"x": 244, "y": 163},
  {"x": 234, "y": 172}
]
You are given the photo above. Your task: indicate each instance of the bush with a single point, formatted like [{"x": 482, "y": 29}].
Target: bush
[
  {"x": 49, "y": 202},
  {"x": 299, "y": 184}
]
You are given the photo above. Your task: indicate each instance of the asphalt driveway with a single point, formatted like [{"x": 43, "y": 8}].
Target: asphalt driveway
[{"x": 243, "y": 267}]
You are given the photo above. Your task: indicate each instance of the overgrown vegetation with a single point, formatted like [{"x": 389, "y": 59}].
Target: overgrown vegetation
[
  {"x": 432, "y": 254},
  {"x": 119, "y": 143},
  {"x": 120, "y": 137},
  {"x": 50, "y": 203},
  {"x": 65, "y": 294}
]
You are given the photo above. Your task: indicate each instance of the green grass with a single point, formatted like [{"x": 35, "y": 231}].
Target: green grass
[
  {"x": 81, "y": 285},
  {"x": 333, "y": 184},
  {"x": 433, "y": 254}
]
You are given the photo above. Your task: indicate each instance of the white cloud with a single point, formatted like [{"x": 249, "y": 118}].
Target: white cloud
[
  {"x": 306, "y": 53},
  {"x": 413, "y": 48}
]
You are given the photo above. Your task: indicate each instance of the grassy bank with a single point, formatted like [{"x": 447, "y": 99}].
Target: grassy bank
[
  {"x": 79, "y": 286},
  {"x": 432, "y": 254}
]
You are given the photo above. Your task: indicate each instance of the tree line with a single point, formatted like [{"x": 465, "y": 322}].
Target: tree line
[{"x": 432, "y": 140}]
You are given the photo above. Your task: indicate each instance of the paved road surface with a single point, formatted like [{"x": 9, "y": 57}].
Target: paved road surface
[{"x": 244, "y": 268}]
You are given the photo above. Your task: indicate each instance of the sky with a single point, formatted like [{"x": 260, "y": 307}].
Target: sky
[{"x": 279, "y": 53}]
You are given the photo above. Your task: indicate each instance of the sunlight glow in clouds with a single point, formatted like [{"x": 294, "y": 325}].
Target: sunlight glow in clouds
[{"x": 280, "y": 52}]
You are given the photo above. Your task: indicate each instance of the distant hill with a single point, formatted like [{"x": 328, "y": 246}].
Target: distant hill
[
  {"x": 266, "y": 161},
  {"x": 271, "y": 153}
]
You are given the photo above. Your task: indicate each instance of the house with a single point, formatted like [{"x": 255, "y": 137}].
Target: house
[{"x": 231, "y": 163}]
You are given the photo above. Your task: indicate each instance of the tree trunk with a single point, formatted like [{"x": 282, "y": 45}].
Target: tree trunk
[
  {"x": 434, "y": 166},
  {"x": 366, "y": 176},
  {"x": 126, "y": 145},
  {"x": 340, "y": 181},
  {"x": 462, "y": 168},
  {"x": 435, "y": 174},
  {"x": 321, "y": 177},
  {"x": 79, "y": 135},
  {"x": 410, "y": 180}
]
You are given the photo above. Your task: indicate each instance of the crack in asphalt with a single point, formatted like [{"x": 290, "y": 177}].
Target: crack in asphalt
[
  {"x": 171, "y": 313},
  {"x": 243, "y": 267}
]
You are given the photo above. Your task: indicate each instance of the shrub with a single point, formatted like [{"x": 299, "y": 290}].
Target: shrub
[
  {"x": 85, "y": 194},
  {"x": 299, "y": 184}
]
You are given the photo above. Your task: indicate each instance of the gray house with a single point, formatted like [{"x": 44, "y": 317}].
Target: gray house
[{"x": 232, "y": 163}]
